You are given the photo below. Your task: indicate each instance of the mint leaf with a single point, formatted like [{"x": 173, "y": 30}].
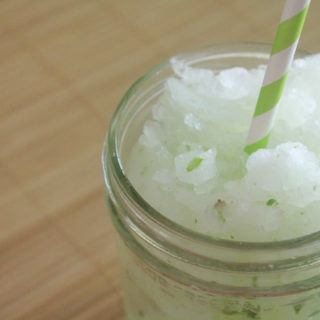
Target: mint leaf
[
  {"x": 221, "y": 216},
  {"x": 219, "y": 205},
  {"x": 272, "y": 202},
  {"x": 143, "y": 170},
  {"x": 230, "y": 312},
  {"x": 255, "y": 281},
  {"x": 251, "y": 311},
  {"x": 141, "y": 314},
  {"x": 194, "y": 163},
  {"x": 297, "y": 307}
]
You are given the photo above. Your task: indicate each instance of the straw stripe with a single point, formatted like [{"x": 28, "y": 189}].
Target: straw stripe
[
  {"x": 279, "y": 64},
  {"x": 257, "y": 145},
  {"x": 289, "y": 31},
  {"x": 282, "y": 54},
  {"x": 292, "y": 11},
  {"x": 261, "y": 125},
  {"x": 270, "y": 96}
]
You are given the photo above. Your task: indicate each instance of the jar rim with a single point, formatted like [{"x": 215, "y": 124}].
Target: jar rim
[{"x": 112, "y": 145}]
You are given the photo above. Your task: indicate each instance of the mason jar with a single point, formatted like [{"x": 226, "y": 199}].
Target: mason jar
[{"x": 172, "y": 273}]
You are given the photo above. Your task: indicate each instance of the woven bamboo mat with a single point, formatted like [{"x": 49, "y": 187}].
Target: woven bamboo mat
[{"x": 64, "y": 65}]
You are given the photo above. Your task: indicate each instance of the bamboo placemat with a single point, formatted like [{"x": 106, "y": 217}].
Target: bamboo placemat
[{"x": 64, "y": 65}]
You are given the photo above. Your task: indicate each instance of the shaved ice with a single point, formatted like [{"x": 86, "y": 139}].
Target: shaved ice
[{"x": 189, "y": 162}]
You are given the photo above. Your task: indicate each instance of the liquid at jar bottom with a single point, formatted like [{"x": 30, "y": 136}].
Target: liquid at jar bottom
[{"x": 150, "y": 295}]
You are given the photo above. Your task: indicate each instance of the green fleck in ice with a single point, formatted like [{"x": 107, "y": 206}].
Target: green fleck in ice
[
  {"x": 251, "y": 311},
  {"x": 297, "y": 307},
  {"x": 221, "y": 216},
  {"x": 188, "y": 148},
  {"x": 301, "y": 213},
  {"x": 230, "y": 312},
  {"x": 254, "y": 282},
  {"x": 141, "y": 314},
  {"x": 272, "y": 202},
  {"x": 143, "y": 170},
  {"x": 251, "y": 314},
  {"x": 195, "y": 220},
  {"x": 219, "y": 205},
  {"x": 232, "y": 237},
  {"x": 315, "y": 188},
  {"x": 248, "y": 310},
  {"x": 194, "y": 163}
]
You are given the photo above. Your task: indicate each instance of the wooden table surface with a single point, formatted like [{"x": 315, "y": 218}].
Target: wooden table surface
[{"x": 64, "y": 65}]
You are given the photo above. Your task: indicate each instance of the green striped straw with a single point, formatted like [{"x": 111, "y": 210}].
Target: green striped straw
[{"x": 282, "y": 54}]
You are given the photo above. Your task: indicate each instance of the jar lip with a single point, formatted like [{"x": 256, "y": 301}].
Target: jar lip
[{"x": 111, "y": 144}]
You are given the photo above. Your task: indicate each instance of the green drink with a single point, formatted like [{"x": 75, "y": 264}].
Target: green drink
[{"x": 206, "y": 231}]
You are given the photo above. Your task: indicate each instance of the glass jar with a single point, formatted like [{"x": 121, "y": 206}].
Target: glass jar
[{"x": 172, "y": 273}]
